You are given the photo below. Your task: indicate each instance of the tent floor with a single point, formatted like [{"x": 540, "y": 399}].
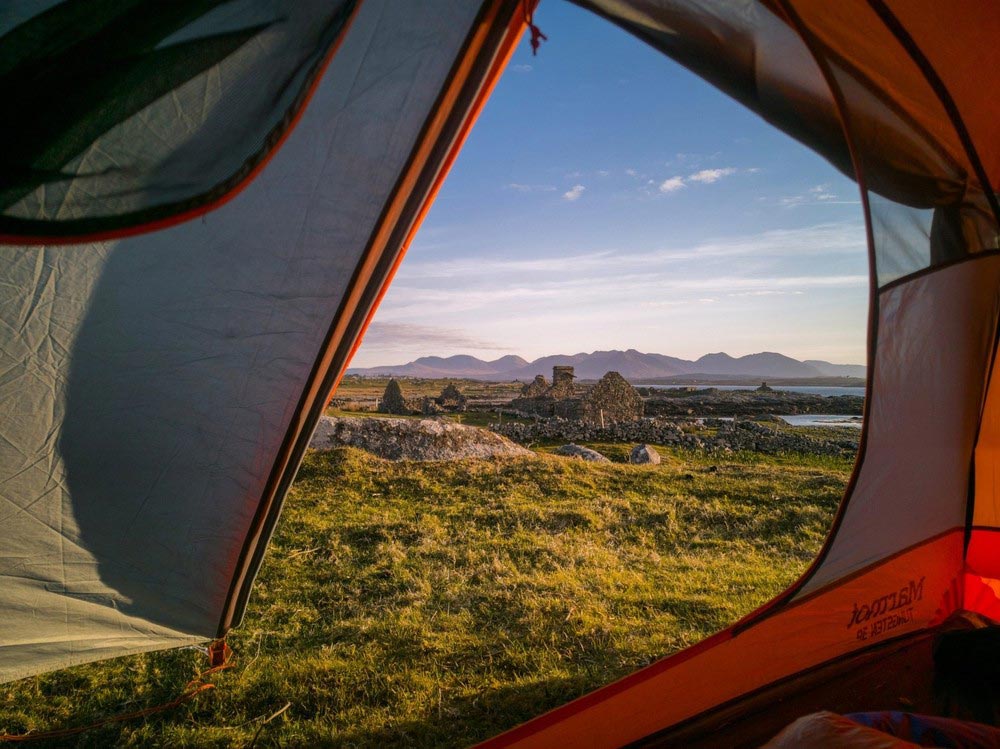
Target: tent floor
[{"x": 952, "y": 671}]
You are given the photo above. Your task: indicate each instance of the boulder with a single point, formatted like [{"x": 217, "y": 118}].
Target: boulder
[
  {"x": 413, "y": 439},
  {"x": 643, "y": 454},
  {"x": 583, "y": 453}
]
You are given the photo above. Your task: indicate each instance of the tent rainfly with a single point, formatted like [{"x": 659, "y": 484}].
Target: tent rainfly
[{"x": 158, "y": 299}]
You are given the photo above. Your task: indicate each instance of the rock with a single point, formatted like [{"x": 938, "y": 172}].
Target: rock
[
  {"x": 413, "y": 439},
  {"x": 584, "y": 453},
  {"x": 643, "y": 454}
]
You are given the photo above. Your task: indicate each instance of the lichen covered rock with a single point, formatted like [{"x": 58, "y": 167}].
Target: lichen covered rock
[
  {"x": 644, "y": 454},
  {"x": 583, "y": 453},
  {"x": 413, "y": 439}
]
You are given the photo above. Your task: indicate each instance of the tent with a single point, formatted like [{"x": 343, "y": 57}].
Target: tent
[{"x": 203, "y": 201}]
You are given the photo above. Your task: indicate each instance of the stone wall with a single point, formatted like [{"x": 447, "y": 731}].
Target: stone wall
[{"x": 730, "y": 435}]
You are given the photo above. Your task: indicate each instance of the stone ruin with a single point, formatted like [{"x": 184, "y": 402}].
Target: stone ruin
[
  {"x": 451, "y": 400},
  {"x": 536, "y": 388},
  {"x": 562, "y": 383},
  {"x": 611, "y": 400},
  {"x": 392, "y": 401},
  {"x": 538, "y": 398}
]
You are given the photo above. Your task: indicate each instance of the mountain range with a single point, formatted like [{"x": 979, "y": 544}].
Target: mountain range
[{"x": 633, "y": 365}]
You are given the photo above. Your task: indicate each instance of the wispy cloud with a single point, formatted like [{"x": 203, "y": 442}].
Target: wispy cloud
[
  {"x": 574, "y": 193},
  {"x": 816, "y": 195},
  {"x": 708, "y": 176},
  {"x": 589, "y": 295},
  {"x": 687, "y": 160},
  {"x": 521, "y": 68},
  {"x": 766, "y": 292},
  {"x": 822, "y": 192},
  {"x": 828, "y": 239},
  {"x": 391, "y": 335},
  {"x": 702, "y": 176},
  {"x": 518, "y": 187},
  {"x": 672, "y": 185}
]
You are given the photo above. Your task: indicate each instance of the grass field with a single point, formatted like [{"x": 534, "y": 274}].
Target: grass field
[
  {"x": 418, "y": 604},
  {"x": 353, "y": 387}
]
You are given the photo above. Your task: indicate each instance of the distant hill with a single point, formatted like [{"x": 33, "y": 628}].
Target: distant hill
[
  {"x": 764, "y": 364},
  {"x": 633, "y": 365},
  {"x": 450, "y": 366},
  {"x": 837, "y": 370}
]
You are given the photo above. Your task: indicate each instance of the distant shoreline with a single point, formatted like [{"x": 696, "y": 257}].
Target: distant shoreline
[{"x": 748, "y": 380}]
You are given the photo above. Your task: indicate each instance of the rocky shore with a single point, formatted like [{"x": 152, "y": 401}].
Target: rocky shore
[{"x": 713, "y": 402}]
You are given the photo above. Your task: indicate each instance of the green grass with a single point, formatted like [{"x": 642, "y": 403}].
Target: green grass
[
  {"x": 354, "y": 387},
  {"x": 419, "y": 604}
]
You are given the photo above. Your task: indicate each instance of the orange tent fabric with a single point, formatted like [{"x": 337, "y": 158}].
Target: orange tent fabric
[{"x": 895, "y": 93}]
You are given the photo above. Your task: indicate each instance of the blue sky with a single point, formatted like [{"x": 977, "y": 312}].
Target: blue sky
[{"x": 609, "y": 199}]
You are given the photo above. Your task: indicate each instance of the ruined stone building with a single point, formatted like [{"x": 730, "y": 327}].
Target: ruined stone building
[
  {"x": 392, "y": 401},
  {"x": 611, "y": 400},
  {"x": 450, "y": 401},
  {"x": 562, "y": 383},
  {"x": 536, "y": 388},
  {"x": 451, "y": 398},
  {"x": 538, "y": 398}
]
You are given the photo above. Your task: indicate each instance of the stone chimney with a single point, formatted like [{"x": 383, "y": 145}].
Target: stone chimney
[{"x": 562, "y": 375}]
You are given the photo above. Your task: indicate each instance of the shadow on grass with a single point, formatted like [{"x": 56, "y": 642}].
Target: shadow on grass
[{"x": 461, "y": 721}]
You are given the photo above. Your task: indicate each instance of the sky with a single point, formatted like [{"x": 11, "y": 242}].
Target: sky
[{"x": 609, "y": 199}]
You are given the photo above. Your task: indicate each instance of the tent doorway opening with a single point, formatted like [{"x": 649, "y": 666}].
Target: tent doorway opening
[{"x": 586, "y": 215}]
